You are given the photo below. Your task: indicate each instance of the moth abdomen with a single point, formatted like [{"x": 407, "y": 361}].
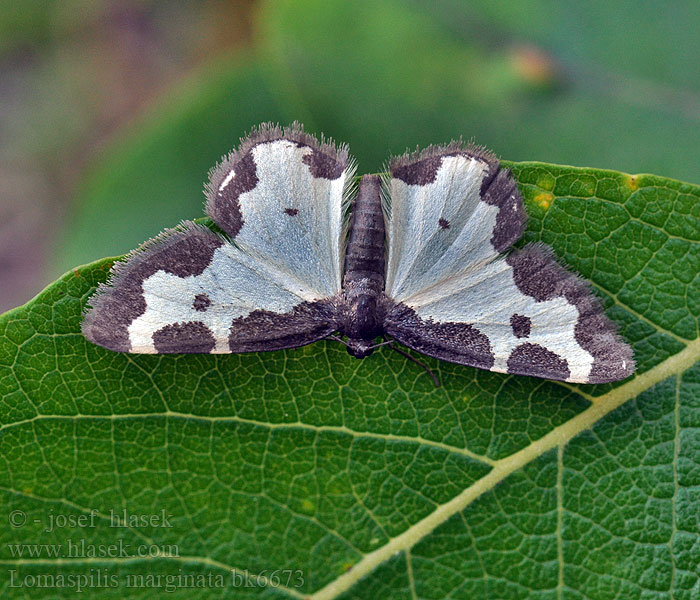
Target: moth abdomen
[{"x": 364, "y": 256}]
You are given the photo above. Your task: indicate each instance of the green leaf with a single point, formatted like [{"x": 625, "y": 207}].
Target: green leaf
[
  {"x": 660, "y": 47},
  {"x": 358, "y": 479}
]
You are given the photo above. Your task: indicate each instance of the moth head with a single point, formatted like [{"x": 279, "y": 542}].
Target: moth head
[{"x": 360, "y": 348}]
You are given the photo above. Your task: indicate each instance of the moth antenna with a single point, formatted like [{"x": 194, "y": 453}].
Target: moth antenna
[
  {"x": 436, "y": 381},
  {"x": 385, "y": 343},
  {"x": 335, "y": 338}
]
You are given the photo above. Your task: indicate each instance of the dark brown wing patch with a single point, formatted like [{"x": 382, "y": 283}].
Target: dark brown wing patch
[
  {"x": 266, "y": 330},
  {"x": 537, "y": 274},
  {"x": 456, "y": 342},
  {"x": 193, "y": 337}
]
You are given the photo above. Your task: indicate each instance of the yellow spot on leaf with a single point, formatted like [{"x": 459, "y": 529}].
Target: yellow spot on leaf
[
  {"x": 307, "y": 506},
  {"x": 544, "y": 200},
  {"x": 632, "y": 182}
]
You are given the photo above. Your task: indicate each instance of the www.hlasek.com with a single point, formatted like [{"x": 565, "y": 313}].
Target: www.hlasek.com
[
  {"x": 168, "y": 582},
  {"x": 84, "y": 549}
]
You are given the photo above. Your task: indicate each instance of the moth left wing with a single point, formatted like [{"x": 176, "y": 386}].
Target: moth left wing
[
  {"x": 450, "y": 295},
  {"x": 274, "y": 283}
]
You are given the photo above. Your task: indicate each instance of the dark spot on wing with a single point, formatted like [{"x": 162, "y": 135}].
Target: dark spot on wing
[
  {"x": 521, "y": 325},
  {"x": 537, "y": 274},
  {"x": 193, "y": 337},
  {"x": 533, "y": 359},
  {"x": 444, "y": 223},
  {"x": 201, "y": 302},
  {"x": 292, "y": 212}
]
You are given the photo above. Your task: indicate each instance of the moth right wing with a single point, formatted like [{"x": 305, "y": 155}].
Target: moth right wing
[
  {"x": 451, "y": 295},
  {"x": 275, "y": 285},
  {"x": 282, "y": 199}
]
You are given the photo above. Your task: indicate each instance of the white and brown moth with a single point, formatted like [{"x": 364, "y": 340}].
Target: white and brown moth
[{"x": 419, "y": 259}]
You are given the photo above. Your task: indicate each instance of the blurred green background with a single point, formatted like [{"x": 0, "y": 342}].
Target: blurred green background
[{"x": 114, "y": 110}]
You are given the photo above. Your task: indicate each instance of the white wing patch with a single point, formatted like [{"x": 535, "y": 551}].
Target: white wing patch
[
  {"x": 438, "y": 230},
  {"x": 226, "y": 181},
  {"x": 232, "y": 286}
]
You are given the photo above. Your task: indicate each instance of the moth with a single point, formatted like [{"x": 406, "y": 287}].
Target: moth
[{"x": 416, "y": 255}]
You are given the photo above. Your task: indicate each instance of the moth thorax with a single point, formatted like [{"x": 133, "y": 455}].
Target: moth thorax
[
  {"x": 360, "y": 348},
  {"x": 363, "y": 323}
]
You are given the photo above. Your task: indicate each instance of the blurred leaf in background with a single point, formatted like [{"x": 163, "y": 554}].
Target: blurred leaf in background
[
  {"x": 73, "y": 75},
  {"x": 387, "y": 75}
]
